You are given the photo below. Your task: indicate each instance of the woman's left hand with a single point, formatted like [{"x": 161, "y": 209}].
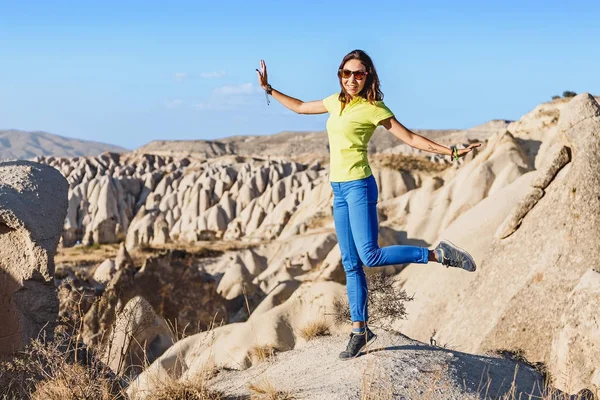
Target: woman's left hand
[{"x": 464, "y": 152}]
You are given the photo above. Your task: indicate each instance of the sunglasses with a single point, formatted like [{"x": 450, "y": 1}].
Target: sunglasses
[{"x": 359, "y": 75}]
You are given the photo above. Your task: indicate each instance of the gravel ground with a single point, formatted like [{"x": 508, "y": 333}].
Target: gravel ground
[{"x": 395, "y": 367}]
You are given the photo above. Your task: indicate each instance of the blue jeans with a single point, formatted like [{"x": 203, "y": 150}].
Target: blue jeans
[{"x": 357, "y": 229}]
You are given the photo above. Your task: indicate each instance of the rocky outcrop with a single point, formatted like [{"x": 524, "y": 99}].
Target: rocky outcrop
[
  {"x": 231, "y": 346},
  {"x": 524, "y": 282},
  {"x": 514, "y": 219},
  {"x": 394, "y": 366},
  {"x": 536, "y": 123},
  {"x": 100, "y": 317},
  {"x": 33, "y": 204},
  {"x": 557, "y": 157}
]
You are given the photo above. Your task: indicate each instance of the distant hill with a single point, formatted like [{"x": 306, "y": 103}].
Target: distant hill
[
  {"x": 292, "y": 144},
  {"x": 16, "y": 144},
  {"x": 287, "y": 144}
]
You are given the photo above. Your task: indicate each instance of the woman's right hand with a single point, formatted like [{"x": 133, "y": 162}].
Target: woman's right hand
[{"x": 262, "y": 75}]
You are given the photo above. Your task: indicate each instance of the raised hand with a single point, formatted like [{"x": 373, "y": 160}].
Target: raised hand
[{"x": 262, "y": 75}]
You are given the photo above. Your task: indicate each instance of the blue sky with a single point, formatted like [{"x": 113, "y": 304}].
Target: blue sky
[{"x": 128, "y": 72}]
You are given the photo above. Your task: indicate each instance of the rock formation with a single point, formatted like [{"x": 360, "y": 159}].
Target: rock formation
[
  {"x": 151, "y": 200},
  {"x": 33, "y": 204},
  {"x": 138, "y": 337},
  {"x": 527, "y": 281}
]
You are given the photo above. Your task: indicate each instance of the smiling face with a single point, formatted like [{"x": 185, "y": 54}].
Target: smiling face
[{"x": 351, "y": 85}]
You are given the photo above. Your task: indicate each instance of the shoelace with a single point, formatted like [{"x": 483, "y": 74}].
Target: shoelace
[
  {"x": 452, "y": 262},
  {"x": 349, "y": 346},
  {"x": 351, "y": 342}
]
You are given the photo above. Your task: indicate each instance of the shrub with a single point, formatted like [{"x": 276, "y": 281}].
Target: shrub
[
  {"x": 568, "y": 93},
  {"x": 386, "y": 303}
]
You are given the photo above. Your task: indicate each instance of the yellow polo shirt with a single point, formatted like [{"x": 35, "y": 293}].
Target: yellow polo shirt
[{"x": 349, "y": 132}]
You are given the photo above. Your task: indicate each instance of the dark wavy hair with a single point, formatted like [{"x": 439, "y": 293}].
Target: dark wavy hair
[{"x": 371, "y": 91}]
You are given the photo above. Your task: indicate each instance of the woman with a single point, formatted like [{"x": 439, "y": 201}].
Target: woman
[{"x": 355, "y": 112}]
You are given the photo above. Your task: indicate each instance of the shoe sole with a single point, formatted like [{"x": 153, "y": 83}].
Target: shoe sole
[
  {"x": 464, "y": 251},
  {"x": 370, "y": 342}
]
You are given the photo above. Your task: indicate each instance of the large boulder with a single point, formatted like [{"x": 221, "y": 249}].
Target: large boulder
[{"x": 33, "y": 205}]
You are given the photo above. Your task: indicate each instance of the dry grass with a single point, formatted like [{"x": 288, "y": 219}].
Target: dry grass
[
  {"x": 261, "y": 353},
  {"x": 95, "y": 254},
  {"x": 198, "y": 250},
  {"x": 61, "y": 368},
  {"x": 375, "y": 384},
  {"x": 314, "y": 329},
  {"x": 264, "y": 389},
  {"x": 85, "y": 254},
  {"x": 73, "y": 381},
  {"x": 207, "y": 248},
  {"x": 387, "y": 302},
  {"x": 549, "y": 393},
  {"x": 185, "y": 390}
]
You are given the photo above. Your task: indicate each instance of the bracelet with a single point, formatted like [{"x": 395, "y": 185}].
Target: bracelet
[
  {"x": 268, "y": 91},
  {"x": 454, "y": 153}
]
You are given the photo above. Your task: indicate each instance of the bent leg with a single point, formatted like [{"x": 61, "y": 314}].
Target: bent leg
[{"x": 362, "y": 200}]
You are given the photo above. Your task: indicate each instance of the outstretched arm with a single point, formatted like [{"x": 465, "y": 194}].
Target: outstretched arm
[
  {"x": 297, "y": 106},
  {"x": 419, "y": 142}
]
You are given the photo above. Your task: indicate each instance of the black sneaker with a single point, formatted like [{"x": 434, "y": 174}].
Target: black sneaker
[
  {"x": 358, "y": 342},
  {"x": 454, "y": 256}
]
